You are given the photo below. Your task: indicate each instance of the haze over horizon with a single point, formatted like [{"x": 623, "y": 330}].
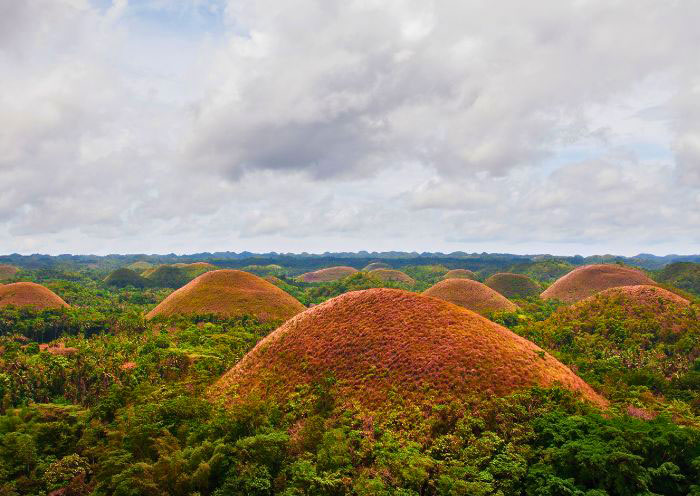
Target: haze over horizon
[{"x": 150, "y": 126}]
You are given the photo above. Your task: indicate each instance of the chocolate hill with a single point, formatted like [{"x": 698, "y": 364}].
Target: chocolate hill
[
  {"x": 230, "y": 293},
  {"x": 470, "y": 294},
  {"x": 7, "y": 271},
  {"x": 513, "y": 285},
  {"x": 328, "y": 275},
  {"x": 21, "y": 294},
  {"x": 583, "y": 282},
  {"x": 391, "y": 275},
  {"x": 124, "y": 277},
  {"x": 460, "y": 274},
  {"x": 642, "y": 326},
  {"x": 378, "y": 341}
]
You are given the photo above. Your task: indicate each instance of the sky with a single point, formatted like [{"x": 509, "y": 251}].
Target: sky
[{"x": 153, "y": 126}]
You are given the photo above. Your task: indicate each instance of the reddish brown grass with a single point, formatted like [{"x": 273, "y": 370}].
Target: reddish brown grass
[
  {"x": 513, "y": 285},
  {"x": 645, "y": 294},
  {"x": 460, "y": 274},
  {"x": 231, "y": 293},
  {"x": 21, "y": 294},
  {"x": 58, "y": 349},
  {"x": 328, "y": 275},
  {"x": 391, "y": 275},
  {"x": 472, "y": 295},
  {"x": 7, "y": 271},
  {"x": 583, "y": 282},
  {"x": 381, "y": 341}
]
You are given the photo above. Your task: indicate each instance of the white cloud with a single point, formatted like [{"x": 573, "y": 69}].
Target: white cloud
[{"x": 317, "y": 125}]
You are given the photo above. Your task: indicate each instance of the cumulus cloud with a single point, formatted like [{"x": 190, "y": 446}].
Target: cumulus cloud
[{"x": 315, "y": 125}]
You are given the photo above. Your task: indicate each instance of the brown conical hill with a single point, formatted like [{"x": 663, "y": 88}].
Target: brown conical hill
[
  {"x": 392, "y": 275},
  {"x": 230, "y": 293},
  {"x": 328, "y": 275},
  {"x": 378, "y": 341},
  {"x": 21, "y": 294},
  {"x": 513, "y": 285},
  {"x": 7, "y": 271},
  {"x": 460, "y": 274},
  {"x": 472, "y": 295},
  {"x": 585, "y": 281}
]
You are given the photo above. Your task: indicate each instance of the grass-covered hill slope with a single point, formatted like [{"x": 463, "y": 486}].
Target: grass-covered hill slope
[
  {"x": 230, "y": 293},
  {"x": 124, "y": 277},
  {"x": 683, "y": 275},
  {"x": 21, "y": 294},
  {"x": 327, "y": 275},
  {"x": 472, "y": 295},
  {"x": 7, "y": 271},
  {"x": 626, "y": 337},
  {"x": 139, "y": 266},
  {"x": 392, "y": 275},
  {"x": 585, "y": 281},
  {"x": 460, "y": 274},
  {"x": 382, "y": 342},
  {"x": 513, "y": 285}
]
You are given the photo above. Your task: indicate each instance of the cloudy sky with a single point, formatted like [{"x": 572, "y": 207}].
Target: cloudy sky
[{"x": 192, "y": 125}]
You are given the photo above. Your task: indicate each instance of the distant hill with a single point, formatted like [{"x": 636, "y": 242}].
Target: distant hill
[
  {"x": 590, "y": 279},
  {"x": 392, "y": 275},
  {"x": 513, "y": 285},
  {"x": 230, "y": 293},
  {"x": 472, "y": 295},
  {"x": 328, "y": 274},
  {"x": 683, "y": 275},
  {"x": 124, "y": 277}
]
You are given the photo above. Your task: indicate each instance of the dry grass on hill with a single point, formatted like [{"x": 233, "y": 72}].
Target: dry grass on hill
[
  {"x": 513, "y": 285},
  {"x": 472, "y": 295},
  {"x": 391, "y": 275},
  {"x": 230, "y": 293},
  {"x": 382, "y": 341},
  {"x": 460, "y": 274},
  {"x": 21, "y": 294},
  {"x": 7, "y": 271},
  {"x": 328, "y": 275},
  {"x": 583, "y": 282}
]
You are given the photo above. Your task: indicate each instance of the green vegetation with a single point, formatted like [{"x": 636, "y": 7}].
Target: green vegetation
[
  {"x": 546, "y": 271},
  {"x": 683, "y": 275},
  {"x": 124, "y": 277},
  {"x": 126, "y": 413}
]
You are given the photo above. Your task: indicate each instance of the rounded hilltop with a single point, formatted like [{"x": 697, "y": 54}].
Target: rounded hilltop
[
  {"x": 472, "y": 295},
  {"x": 229, "y": 293},
  {"x": 124, "y": 277},
  {"x": 328, "y": 275},
  {"x": 20, "y": 294},
  {"x": 513, "y": 285},
  {"x": 380, "y": 342},
  {"x": 460, "y": 274},
  {"x": 585, "y": 281},
  {"x": 392, "y": 275}
]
